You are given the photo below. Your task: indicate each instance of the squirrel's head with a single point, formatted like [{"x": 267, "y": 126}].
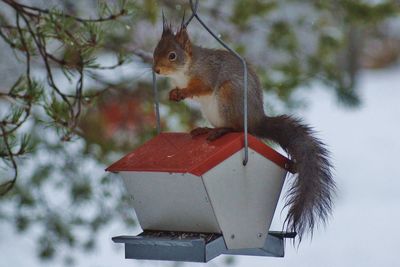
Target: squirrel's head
[{"x": 173, "y": 51}]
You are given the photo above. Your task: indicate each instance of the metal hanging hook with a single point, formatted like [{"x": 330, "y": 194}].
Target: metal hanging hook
[
  {"x": 194, "y": 11},
  {"x": 156, "y": 103}
]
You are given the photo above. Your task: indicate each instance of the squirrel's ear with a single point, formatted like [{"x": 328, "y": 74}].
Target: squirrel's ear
[
  {"x": 166, "y": 27},
  {"x": 182, "y": 38}
]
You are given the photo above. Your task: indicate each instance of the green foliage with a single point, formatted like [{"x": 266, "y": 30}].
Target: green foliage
[
  {"x": 57, "y": 110},
  {"x": 52, "y": 198},
  {"x": 282, "y": 37},
  {"x": 151, "y": 10},
  {"x": 244, "y": 10},
  {"x": 81, "y": 191},
  {"x": 40, "y": 175},
  {"x": 365, "y": 12}
]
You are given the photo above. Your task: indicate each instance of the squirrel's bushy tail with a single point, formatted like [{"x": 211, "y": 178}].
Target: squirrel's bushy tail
[{"x": 309, "y": 198}]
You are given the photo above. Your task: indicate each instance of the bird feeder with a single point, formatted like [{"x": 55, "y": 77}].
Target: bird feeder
[{"x": 195, "y": 199}]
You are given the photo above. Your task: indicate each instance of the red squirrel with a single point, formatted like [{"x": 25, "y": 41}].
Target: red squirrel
[{"x": 214, "y": 78}]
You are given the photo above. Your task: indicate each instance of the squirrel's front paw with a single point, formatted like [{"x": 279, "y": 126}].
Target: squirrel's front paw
[{"x": 176, "y": 95}]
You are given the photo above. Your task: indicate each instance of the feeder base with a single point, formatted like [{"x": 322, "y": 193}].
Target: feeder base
[{"x": 193, "y": 247}]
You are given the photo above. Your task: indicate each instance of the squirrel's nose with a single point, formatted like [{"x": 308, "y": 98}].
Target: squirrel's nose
[{"x": 156, "y": 70}]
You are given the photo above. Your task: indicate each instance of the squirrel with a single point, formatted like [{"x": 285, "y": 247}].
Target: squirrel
[{"x": 214, "y": 78}]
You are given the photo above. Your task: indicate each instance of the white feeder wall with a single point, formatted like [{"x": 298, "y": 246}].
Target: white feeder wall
[
  {"x": 171, "y": 202},
  {"x": 235, "y": 200},
  {"x": 244, "y": 198}
]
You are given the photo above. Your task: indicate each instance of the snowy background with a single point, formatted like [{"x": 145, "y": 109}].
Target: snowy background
[{"x": 362, "y": 232}]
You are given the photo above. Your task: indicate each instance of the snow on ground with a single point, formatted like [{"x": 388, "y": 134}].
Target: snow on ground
[{"x": 362, "y": 232}]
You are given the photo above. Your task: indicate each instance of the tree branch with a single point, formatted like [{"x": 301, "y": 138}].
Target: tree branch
[
  {"x": 28, "y": 11},
  {"x": 5, "y": 187}
]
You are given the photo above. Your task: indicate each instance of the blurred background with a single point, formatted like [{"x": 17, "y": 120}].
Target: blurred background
[{"x": 75, "y": 95}]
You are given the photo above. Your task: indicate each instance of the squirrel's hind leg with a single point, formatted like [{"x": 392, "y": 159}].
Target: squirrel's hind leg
[
  {"x": 200, "y": 131},
  {"x": 213, "y": 133}
]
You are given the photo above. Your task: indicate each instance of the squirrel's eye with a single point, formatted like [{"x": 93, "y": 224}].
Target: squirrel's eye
[{"x": 172, "y": 56}]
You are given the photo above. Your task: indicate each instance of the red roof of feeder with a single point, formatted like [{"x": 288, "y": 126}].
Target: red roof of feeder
[{"x": 180, "y": 153}]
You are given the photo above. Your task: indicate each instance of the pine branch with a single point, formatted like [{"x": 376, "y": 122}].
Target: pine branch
[
  {"x": 34, "y": 31},
  {"x": 5, "y": 187}
]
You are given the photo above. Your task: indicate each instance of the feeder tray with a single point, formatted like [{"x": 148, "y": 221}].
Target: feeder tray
[
  {"x": 182, "y": 186},
  {"x": 193, "y": 247}
]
